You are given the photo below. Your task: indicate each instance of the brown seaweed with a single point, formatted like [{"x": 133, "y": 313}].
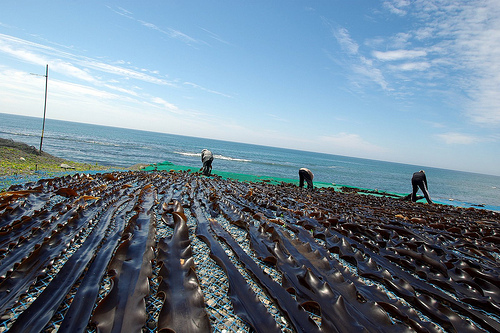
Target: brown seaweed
[
  {"x": 183, "y": 309},
  {"x": 245, "y": 301},
  {"x": 347, "y": 262},
  {"x": 44, "y": 307},
  {"x": 124, "y": 307},
  {"x": 80, "y": 310}
]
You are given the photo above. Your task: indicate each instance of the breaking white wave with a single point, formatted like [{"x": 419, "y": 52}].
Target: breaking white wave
[
  {"x": 187, "y": 154},
  {"x": 220, "y": 157}
]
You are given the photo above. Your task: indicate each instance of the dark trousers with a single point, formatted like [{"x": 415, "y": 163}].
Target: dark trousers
[
  {"x": 207, "y": 168},
  {"x": 420, "y": 184},
  {"x": 304, "y": 175}
]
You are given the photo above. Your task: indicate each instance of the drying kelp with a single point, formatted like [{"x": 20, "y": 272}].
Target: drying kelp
[{"x": 179, "y": 252}]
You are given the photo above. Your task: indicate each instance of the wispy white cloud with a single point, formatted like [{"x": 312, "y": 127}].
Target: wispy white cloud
[
  {"x": 169, "y": 106},
  {"x": 17, "y": 83},
  {"x": 484, "y": 108},
  {"x": 73, "y": 66},
  {"x": 122, "y": 90},
  {"x": 120, "y": 74},
  {"x": 367, "y": 71},
  {"x": 435, "y": 124},
  {"x": 398, "y": 7},
  {"x": 170, "y": 32},
  {"x": 278, "y": 119},
  {"x": 452, "y": 138},
  {"x": 360, "y": 65},
  {"x": 18, "y": 49},
  {"x": 68, "y": 90},
  {"x": 345, "y": 41},
  {"x": 82, "y": 102},
  {"x": 71, "y": 70},
  {"x": 399, "y": 54},
  {"x": 110, "y": 86},
  {"x": 460, "y": 42},
  {"x": 411, "y": 66},
  {"x": 194, "y": 85},
  {"x": 21, "y": 84},
  {"x": 348, "y": 143},
  {"x": 215, "y": 36},
  {"x": 401, "y": 40},
  {"x": 123, "y": 11},
  {"x": 123, "y": 72},
  {"x": 423, "y": 33}
]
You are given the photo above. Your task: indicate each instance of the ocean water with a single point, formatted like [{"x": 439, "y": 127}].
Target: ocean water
[{"x": 125, "y": 147}]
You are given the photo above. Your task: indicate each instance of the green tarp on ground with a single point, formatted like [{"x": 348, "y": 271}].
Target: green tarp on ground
[{"x": 169, "y": 166}]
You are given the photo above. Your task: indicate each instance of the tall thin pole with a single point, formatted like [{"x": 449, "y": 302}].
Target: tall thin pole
[{"x": 45, "y": 105}]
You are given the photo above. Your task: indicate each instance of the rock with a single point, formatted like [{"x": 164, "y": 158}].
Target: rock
[{"x": 66, "y": 166}]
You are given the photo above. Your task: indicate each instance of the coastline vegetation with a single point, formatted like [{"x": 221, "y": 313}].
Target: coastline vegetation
[{"x": 17, "y": 158}]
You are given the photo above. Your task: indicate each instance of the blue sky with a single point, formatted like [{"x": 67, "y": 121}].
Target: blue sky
[{"x": 414, "y": 82}]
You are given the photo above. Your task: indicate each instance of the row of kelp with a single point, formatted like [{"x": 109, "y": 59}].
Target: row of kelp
[{"x": 179, "y": 252}]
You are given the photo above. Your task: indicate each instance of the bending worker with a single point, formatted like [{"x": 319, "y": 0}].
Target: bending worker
[
  {"x": 206, "y": 158},
  {"x": 307, "y": 175},
  {"x": 419, "y": 180}
]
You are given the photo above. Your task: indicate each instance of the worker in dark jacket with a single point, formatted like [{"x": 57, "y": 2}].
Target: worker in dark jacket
[
  {"x": 307, "y": 175},
  {"x": 206, "y": 158},
  {"x": 419, "y": 180}
]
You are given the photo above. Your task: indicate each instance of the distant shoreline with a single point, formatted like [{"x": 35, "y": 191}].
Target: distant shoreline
[
  {"x": 20, "y": 162},
  {"x": 18, "y": 158}
]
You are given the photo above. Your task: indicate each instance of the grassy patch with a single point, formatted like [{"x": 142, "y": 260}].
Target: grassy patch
[{"x": 14, "y": 161}]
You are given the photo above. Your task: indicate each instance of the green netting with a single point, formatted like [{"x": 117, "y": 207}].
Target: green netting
[{"x": 169, "y": 166}]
